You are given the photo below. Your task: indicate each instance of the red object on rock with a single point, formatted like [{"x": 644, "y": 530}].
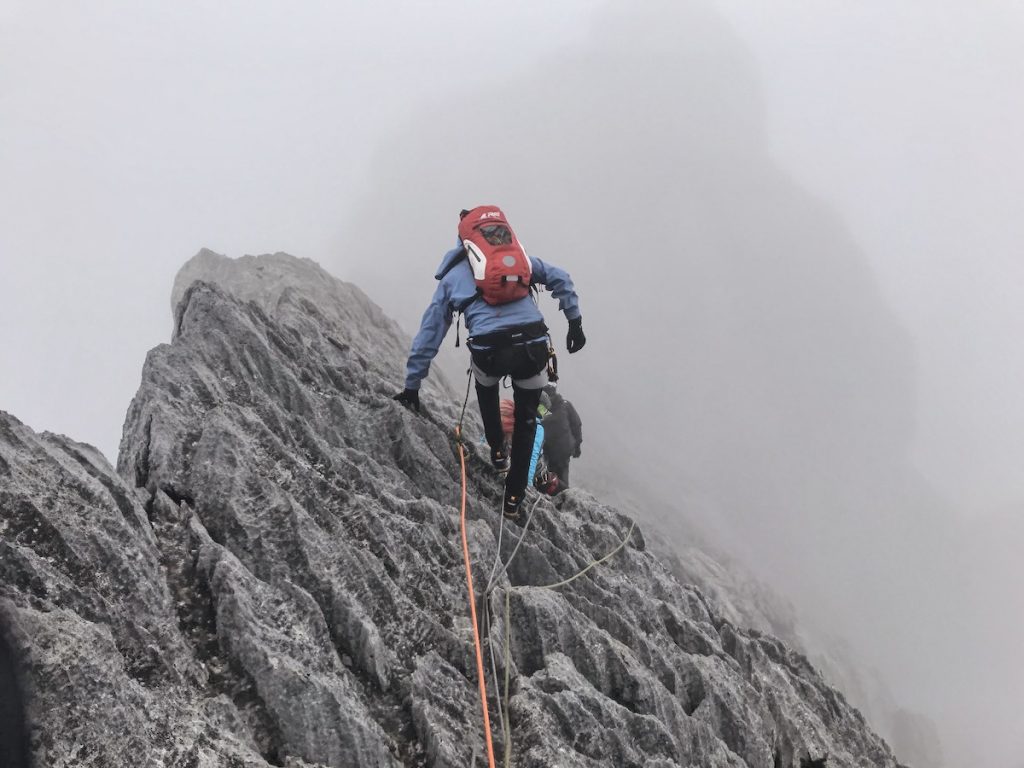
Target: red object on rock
[{"x": 508, "y": 416}]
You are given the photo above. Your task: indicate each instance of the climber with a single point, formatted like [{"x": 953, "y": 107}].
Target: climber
[
  {"x": 563, "y": 435},
  {"x": 487, "y": 278}
]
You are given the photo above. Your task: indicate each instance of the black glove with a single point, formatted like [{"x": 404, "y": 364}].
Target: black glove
[
  {"x": 410, "y": 398},
  {"x": 575, "y": 340},
  {"x": 578, "y": 452}
]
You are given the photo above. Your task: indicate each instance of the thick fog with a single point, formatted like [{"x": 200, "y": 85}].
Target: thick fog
[{"x": 793, "y": 227}]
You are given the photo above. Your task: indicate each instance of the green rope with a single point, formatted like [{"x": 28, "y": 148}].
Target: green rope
[
  {"x": 506, "y": 712},
  {"x": 494, "y": 664},
  {"x": 497, "y": 558},
  {"x": 594, "y": 563},
  {"x": 506, "y": 723}
]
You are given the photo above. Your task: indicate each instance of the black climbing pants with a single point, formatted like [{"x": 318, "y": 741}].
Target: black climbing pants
[
  {"x": 560, "y": 468},
  {"x": 523, "y": 434}
]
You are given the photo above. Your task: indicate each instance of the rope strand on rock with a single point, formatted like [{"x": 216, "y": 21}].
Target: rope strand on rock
[
  {"x": 465, "y": 400},
  {"x": 506, "y": 721},
  {"x": 472, "y": 602},
  {"x": 504, "y": 712},
  {"x": 497, "y": 556}
]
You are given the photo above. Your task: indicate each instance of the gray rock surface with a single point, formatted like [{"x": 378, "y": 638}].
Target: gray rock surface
[
  {"x": 274, "y": 576},
  {"x": 114, "y": 680}
]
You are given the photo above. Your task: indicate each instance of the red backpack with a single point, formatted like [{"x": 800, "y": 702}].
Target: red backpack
[{"x": 500, "y": 265}]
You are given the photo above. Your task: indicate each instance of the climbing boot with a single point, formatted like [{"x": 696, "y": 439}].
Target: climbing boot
[
  {"x": 500, "y": 459},
  {"x": 548, "y": 483},
  {"x": 512, "y": 507}
]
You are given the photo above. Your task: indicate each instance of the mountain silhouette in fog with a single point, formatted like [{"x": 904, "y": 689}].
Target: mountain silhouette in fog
[{"x": 742, "y": 356}]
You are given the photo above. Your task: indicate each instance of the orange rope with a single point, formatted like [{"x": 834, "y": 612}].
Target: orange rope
[{"x": 472, "y": 607}]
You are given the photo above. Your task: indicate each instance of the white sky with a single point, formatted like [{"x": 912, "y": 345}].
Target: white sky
[
  {"x": 134, "y": 133},
  {"x": 908, "y": 116}
]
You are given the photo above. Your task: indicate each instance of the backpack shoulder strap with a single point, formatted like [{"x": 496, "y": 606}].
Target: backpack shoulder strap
[{"x": 454, "y": 263}]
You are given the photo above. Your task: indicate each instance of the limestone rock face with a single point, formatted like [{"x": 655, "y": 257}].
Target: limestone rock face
[
  {"x": 114, "y": 679},
  {"x": 274, "y": 576}
]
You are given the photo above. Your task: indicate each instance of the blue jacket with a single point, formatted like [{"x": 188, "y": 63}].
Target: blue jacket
[{"x": 457, "y": 290}]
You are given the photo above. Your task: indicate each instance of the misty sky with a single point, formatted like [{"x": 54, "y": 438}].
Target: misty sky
[{"x": 132, "y": 134}]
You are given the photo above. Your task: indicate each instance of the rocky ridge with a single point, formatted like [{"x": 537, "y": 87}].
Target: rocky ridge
[{"x": 273, "y": 576}]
